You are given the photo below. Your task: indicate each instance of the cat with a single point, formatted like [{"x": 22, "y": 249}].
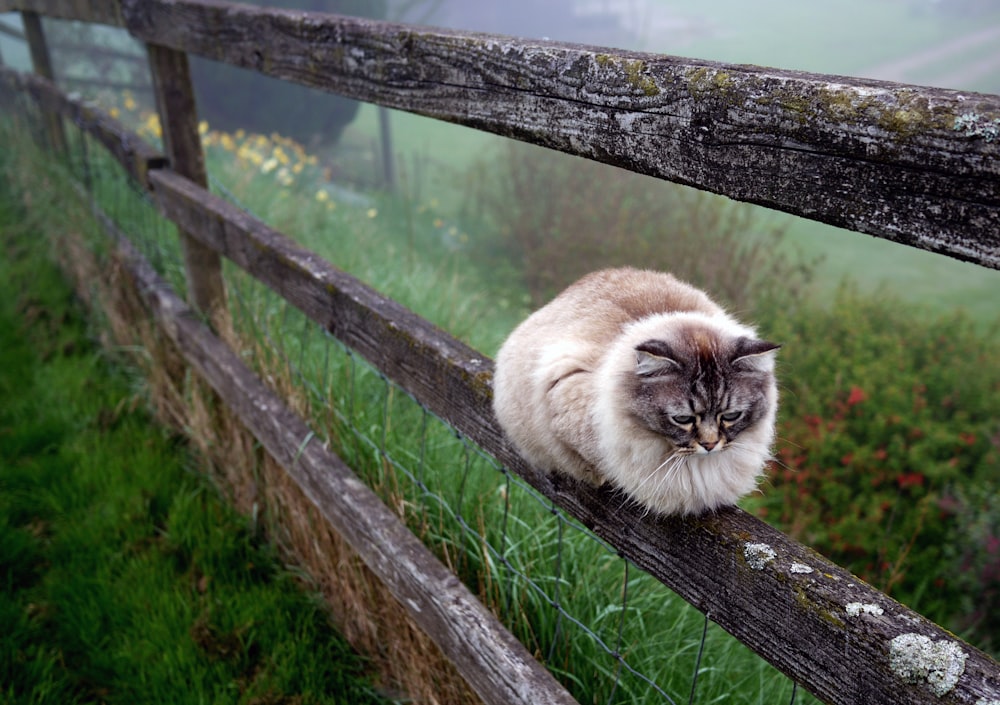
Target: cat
[{"x": 636, "y": 378}]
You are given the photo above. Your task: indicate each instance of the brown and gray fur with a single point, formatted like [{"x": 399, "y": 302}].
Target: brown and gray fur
[{"x": 635, "y": 378}]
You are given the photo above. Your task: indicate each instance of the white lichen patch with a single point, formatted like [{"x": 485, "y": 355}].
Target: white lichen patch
[
  {"x": 984, "y": 701},
  {"x": 857, "y": 608},
  {"x": 916, "y": 658},
  {"x": 758, "y": 555},
  {"x": 973, "y": 125},
  {"x": 800, "y": 568}
]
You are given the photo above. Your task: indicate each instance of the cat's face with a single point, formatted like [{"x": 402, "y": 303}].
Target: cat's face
[{"x": 701, "y": 390}]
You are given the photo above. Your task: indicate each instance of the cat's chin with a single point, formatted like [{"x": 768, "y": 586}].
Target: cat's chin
[{"x": 692, "y": 483}]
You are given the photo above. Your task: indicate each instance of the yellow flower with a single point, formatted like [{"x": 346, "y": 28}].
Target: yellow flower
[
  {"x": 372, "y": 212},
  {"x": 322, "y": 196},
  {"x": 129, "y": 102},
  {"x": 297, "y": 168},
  {"x": 247, "y": 154},
  {"x": 115, "y": 112},
  {"x": 152, "y": 124},
  {"x": 227, "y": 142},
  {"x": 284, "y": 177},
  {"x": 240, "y": 134},
  {"x": 203, "y": 128},
  {"x": 269, "y": 166}
]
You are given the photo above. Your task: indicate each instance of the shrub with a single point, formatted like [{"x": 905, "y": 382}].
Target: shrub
[
  {"x": 550, "y": 218},
  {"x": 888, "y": 452}
]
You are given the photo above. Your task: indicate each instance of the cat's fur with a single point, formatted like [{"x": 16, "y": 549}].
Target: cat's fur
[{"x": 636, "y": 378}]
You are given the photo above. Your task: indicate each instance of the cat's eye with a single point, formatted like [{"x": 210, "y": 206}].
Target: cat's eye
[
  {"x": 683, "y": 420},
  {"x": 731, "y": 416}
]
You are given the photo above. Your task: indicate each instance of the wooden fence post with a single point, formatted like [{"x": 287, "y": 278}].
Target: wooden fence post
[
  {"x": 41, "y": 61},
  {"x": 182, "y": 144}
]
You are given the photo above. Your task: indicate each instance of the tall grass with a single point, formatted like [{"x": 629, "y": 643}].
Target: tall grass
[{"x": 124, "y": 577}]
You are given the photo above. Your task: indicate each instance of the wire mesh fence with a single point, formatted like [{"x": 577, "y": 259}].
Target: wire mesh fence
[{"x": 611, "y": 632}]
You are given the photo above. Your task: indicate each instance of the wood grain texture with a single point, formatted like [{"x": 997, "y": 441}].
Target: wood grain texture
[
  {"x": 779, "y": 597},
  {"x": 911, "y": 164},
  {"x": 135, "y": 155},
  {"x": 495, "y": 664}
]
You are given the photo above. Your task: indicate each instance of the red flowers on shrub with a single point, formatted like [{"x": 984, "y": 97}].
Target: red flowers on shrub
[
  {"x": 910, "y": 479},
  {"x": 856, "y": 396}
]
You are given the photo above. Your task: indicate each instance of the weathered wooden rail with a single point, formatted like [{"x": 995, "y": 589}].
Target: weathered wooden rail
[{"x": 841, "y": 639}]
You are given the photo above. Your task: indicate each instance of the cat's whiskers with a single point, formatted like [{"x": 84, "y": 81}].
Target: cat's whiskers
[
  {"x": 671, "y": 463},
  {"x": 668, "y": 477},
  {"x": 679, "y": 461},
  {"x": 649, "y": 476}
]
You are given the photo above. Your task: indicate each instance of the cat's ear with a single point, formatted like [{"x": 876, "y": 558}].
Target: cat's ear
[
  {"x": 753, "y": 354},
  {"x": 654, "y": 357}
]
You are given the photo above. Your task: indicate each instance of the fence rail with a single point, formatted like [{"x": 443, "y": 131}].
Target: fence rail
[{"x": 840, "y": 638}]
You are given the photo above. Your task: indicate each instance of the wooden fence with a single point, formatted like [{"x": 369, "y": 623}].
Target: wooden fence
[{"x": 915, "y": 165}]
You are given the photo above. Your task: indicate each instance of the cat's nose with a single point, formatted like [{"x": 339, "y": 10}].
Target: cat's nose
[{"x": 708, "y": 445}]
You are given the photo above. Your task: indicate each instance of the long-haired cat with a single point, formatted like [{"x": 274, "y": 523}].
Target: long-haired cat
[{"x": 636, "y": 378}]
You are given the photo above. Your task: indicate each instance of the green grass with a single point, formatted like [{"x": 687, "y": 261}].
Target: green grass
[{"x": 123, "y": 576}]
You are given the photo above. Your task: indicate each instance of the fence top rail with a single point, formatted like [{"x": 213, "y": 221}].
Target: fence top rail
[
  {"x": 916, "y": 165},
  {"x": 841, "y": 638}
]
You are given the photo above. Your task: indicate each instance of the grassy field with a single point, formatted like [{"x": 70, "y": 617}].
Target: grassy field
[{"x": 124, "y": 578}]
